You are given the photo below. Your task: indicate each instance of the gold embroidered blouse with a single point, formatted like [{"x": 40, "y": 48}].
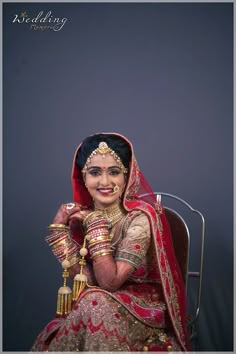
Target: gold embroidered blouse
[{"x": 134, "y": 238}]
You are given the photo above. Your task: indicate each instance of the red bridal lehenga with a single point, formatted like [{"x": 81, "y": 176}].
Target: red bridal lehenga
[{"x": 148, "y": 312}]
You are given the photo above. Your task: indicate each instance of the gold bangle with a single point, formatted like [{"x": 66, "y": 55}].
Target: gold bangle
[
  {"x": 98, "y": 240},
  {"x": 55, "y": 244},
  {"x": 99, "y": 244},
  {"x": 101, "y": 254},
  {"x": 87, "y": 218},
  {"x": 58, "y": 226},
  {"x": 74, "y": 260}
]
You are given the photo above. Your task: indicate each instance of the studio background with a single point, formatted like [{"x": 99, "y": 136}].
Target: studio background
[{"x": 160, "y": 74}]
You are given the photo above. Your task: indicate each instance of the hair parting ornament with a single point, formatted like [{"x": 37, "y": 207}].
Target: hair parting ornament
[{"x": 104, "y": 149}]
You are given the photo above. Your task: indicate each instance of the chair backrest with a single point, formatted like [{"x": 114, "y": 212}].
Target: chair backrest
[
  {"x": 181, "y": 237},
  {"x": 181, "y": 240}
]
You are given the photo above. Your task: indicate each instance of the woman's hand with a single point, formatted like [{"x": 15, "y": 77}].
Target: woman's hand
[
  {"x": 68, "y": 211},
  {"x": 87, "y": 270}
]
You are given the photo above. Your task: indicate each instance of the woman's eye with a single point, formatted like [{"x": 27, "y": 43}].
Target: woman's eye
[
  {"x": 94, "y": 173},
  {"x": 114, "y": 172}
]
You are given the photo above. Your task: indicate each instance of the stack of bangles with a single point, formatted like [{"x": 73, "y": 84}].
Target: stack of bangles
[
  {"x": 97, "y": 235},
  {"x": 63, "y": 247}
]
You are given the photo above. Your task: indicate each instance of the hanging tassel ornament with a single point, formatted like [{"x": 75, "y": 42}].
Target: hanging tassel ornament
[
  {"x": 64, "y": 297},
  {"x": 80, "y": 280}
]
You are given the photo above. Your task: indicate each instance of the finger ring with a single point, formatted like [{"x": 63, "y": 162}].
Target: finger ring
[{"x": 70, "y": 205}]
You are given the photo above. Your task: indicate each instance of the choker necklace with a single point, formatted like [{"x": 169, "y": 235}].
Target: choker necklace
[{"x": 113, "y": 213}]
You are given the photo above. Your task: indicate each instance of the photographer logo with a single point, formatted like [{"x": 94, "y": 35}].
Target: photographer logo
[{"x": 40, "y": 22}]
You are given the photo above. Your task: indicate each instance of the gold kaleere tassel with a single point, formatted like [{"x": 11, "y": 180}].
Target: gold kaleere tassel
[
  {"x": 80, "y": 280},
  {"x": 64, "y": 297}
]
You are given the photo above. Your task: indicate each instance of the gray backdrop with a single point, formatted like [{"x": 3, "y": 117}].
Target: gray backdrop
[{"x": 161, "y": 74}]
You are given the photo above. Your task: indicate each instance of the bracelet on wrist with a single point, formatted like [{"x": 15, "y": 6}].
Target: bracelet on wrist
[
  {"x": 58, "y": 227},
  {"x": 101, "y": 254}
]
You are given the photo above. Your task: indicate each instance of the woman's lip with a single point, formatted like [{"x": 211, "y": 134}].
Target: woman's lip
[{"x": 105, "y": 190}]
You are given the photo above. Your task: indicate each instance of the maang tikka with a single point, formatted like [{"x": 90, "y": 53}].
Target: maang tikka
[{"x": 104, "y": 149}]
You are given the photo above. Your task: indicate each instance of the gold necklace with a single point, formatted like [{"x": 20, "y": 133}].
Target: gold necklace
[{"x": 113, "y": 213}]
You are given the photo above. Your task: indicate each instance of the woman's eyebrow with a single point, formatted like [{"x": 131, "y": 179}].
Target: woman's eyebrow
[
  {"x": 93, "y": 167},
  {"x": 116, "y": 166},
  {"x": 100, "y": 168}
]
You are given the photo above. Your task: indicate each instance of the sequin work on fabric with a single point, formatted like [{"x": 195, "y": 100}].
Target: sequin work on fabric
[{"x": 98, "y": 323}]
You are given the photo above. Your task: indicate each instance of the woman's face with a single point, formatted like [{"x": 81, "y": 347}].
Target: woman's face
[{"x": 102, "y": 175}]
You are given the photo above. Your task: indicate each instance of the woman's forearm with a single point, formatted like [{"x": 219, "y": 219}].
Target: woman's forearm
[{"x": 111, "y": 274}]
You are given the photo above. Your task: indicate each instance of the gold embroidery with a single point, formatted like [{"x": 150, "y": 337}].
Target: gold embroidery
[
  {"x": 166, "y": 275},
  {"x": 101, "y": 323},
  {"x": 134, "y": 181},
  {"x": 136, "y": 239}
]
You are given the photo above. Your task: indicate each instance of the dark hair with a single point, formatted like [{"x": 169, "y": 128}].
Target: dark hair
[{"x": 116, "y": 143}]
